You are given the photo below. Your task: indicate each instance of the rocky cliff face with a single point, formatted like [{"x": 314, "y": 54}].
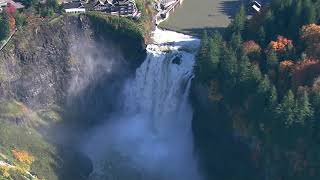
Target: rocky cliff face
[
  {"x": 60, "y": 69},
  {"x": 49, "y": 62}
]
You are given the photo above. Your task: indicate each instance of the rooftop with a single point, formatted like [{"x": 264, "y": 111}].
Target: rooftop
[{"x": 17, "y": 5}]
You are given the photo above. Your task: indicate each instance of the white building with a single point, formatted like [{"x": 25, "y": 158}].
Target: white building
[
  {"x": 74, "y": 7},
  {"x": 4, "y": 3},
  {"x": 75, "y": 10}
]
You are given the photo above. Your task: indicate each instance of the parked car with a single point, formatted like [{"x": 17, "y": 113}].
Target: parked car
[{"x": 255, "y": 7}]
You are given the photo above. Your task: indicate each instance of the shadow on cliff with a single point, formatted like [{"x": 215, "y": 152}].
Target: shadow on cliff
[{"x": 222, "y": 155}]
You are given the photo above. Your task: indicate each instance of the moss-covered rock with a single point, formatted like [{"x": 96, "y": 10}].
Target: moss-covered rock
[{"x": 22, "y": 138}]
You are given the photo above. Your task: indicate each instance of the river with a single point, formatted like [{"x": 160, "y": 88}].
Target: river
[{"x": 194, "y": 15}]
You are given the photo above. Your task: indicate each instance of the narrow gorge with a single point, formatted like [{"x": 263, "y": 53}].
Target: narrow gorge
[
  {"x": 108, "y": 106},
  {"x": 149, "y": 136}
]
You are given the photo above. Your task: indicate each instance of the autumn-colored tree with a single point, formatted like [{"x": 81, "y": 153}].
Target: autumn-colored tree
[
  {"x": 286, "y": 65},
  {"x": 310, "y": 34},
  {"x": 10, "y": 9},
  {"x": 23, "y": 156},
  {"x": 304, "y": 71},
  {"x": 12, "y": 23},
  {"x": 250, "y": 47},
  {"x": 282, "y": 44}
]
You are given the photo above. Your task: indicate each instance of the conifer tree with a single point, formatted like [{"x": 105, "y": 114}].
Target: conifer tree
[
  {"x": 236, "y": 41},
  {"x": 272, "y": 99},
  {"x": 272, "y": 59},
  {"x": 309, "y": 12},
  {"x": 238, "y": 23},
  {"x": 215, "y": 50},
  {"x": 303, "y": 110},
  {"x": 202, "y": 69},
  {"x": 4, "y": 26},
  {"x": 229, "y": 67},
  {"x": 262, "y": 36},
  {"x": 286, "y": 110}
]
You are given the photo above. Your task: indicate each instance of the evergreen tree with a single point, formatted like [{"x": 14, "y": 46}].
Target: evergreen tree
[
  {"x": 304, "y": 110},
  {"x": 20, "y": 20},
  {"x": 269, "y": 25},
  {"x": 295, "y": 19},
  {"x": 286, "y": 110},
  {"x": 229, "y": 68},
  {"x": 236, "y": 41},
  {"x": 215, "y": 51},
  {"x": 204, "y": 40},
  {"x": 244, "y": 70},
  {"x": 316, "y": 105},
  {"x": 261, "y": 98},
  {"x": 262, "y": 36},
  {"x": 238, "y": 23},
  {"x": 264, "y": 85},
  {"x": 4, "y": 26},
  {"x": 272, "y": 99},
  {"x": 309, "y": 12},
  {"x": 244, "y": 78},
  {"x": 272, "y": 59},
  {"x": 316, "y": 120},
  {"x": 202, "y": 69}
]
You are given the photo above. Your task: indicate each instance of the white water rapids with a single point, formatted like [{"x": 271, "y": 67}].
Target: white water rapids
[{"x": 150, "y": 136}]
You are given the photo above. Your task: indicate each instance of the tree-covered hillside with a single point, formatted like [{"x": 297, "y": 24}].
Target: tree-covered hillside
[{"x": 265, "y": 72}]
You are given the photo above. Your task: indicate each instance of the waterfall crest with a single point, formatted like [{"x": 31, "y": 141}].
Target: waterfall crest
[{"x": 151, "y": 131}]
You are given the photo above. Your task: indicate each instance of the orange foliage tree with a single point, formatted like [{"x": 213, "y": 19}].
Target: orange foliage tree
[
  {"x": 23, "y": 156},
  {"x": 11, "y": 10},
  {"x": 310, "y": 34},
  {"x": 305, "y": 72},
  {"x": 282, "y": 44},
  {"x": 251, "y": 47},
  {"x": 286, "y": 65},
  {"x": 12, "y": 23}
]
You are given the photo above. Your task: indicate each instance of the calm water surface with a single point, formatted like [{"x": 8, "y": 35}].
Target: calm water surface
[{"x": 193, "y": 15}]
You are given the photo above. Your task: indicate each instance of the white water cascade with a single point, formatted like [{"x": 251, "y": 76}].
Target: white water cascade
[{"x": 150, "y": 136}]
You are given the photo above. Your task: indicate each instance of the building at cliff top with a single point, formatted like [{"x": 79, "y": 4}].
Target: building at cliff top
[
  {"x": 123, "y": 8},
  {"x": 74, "y": 7},
  {"x": 4, "y": 4}
]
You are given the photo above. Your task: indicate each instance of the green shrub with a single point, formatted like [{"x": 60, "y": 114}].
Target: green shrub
[
  {"x": 127, "y": 33},
  {"x": 21, "y": 20},
  {"x": 4, "y": 26}
]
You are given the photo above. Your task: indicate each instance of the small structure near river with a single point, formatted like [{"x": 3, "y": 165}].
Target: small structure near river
[{"x": 164, "y": 8}]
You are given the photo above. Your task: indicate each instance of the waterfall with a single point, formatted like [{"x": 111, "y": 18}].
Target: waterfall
[{"x": 150, "y": 136}]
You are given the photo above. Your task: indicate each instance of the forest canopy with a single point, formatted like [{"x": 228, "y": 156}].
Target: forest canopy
[{"x": 266, "y": 71}]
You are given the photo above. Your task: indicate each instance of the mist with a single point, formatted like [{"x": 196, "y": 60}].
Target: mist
[
  {"x": 93, "y": 62},
  {"x": 138, "y": 126},
  {"x": 148, "y": 136}
]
